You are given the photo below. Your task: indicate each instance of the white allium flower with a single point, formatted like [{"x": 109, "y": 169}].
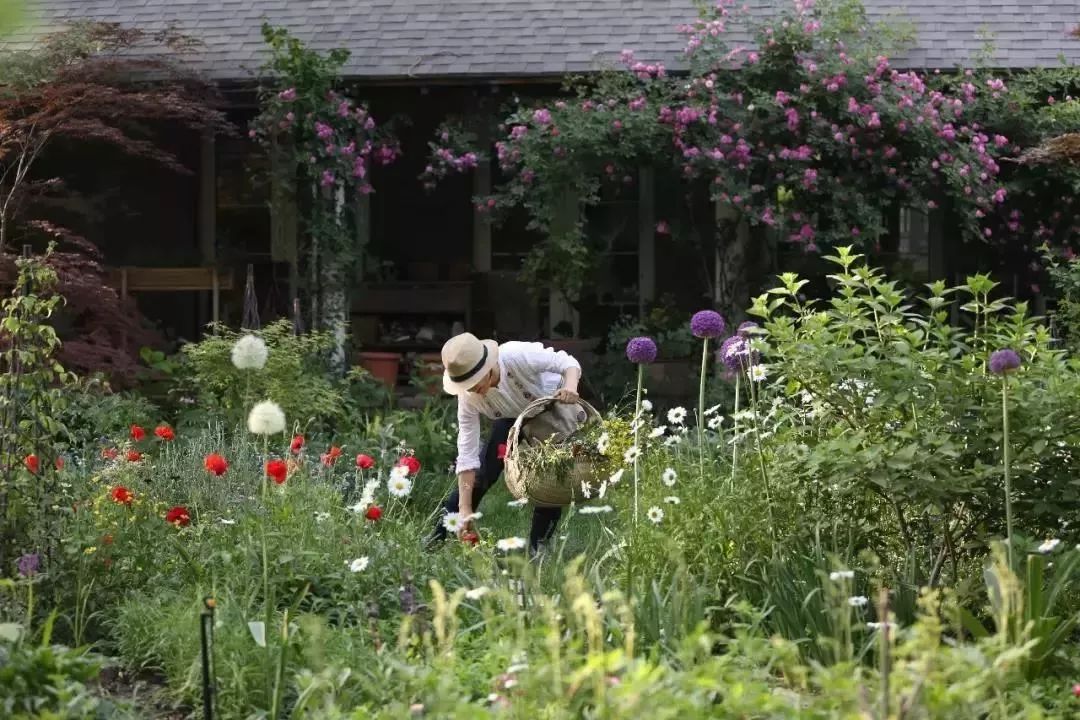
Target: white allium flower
[
  {"x": 602, "y": 443},
  {"x": 359, "y": 564},
  {"x": 477, "y": 592},
  {"x": 453, "y": 522},
  {"x": 672, "y": 500},
  {"x": 632, "y": 453},
  {"x": 586, "y": 489},
  {"x": 266, "y": 418},
  {"x": 595, "y": 509},
  {"x": 399, "y": 485},
  {"x": 646, "y": 406},
  {"x": 676, "y": 415},
  {"x": 510, "y": 544},
  {"x": 1049, "y": 545},
  {"x": 714, "y": 423},
  {"x": 519, "y": 503},
  {"x": 658, "y": 431},
  {"x": 249, "y": 353},
  {"x": 669, "y": 477},
  {"x": 837, "y": 575},
  {"x": 759, "y": 373},
  {"x": 655, "y": 514},
  {"x": 616, "y": 477},
  {"x": 858, "y": 601},
  {"x": 711, "y": 410}
]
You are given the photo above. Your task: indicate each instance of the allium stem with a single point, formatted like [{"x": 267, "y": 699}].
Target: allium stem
[
  {"x": 701, "y": 407},
  {"x": 1007, "y": 456},
  {"x": 637, "y": 431},
  {"x": 735, "y": 429}
]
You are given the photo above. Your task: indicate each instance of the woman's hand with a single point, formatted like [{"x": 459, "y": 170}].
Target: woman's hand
[{"x": 567, "y": 396}]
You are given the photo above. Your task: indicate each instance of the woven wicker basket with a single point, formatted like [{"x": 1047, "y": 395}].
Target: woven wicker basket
[{"x": 545, "y": 491}]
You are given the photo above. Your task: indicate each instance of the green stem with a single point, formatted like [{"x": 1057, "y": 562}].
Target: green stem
[
  {"x": 735, "y": 429},
  {"x": 637, "y": 431},
  {"x": 701, "y": 408},
  {"x": 1007, "y": 461},
  {"x": 268, "y": 613},
  {"x": 761, "y": 459}
]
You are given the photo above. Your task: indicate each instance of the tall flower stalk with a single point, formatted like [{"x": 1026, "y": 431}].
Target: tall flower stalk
[
  {"x": 641, "y": 351},
  {"x": 1003, "y": 362},
  {"x": 706, "y": 324}
]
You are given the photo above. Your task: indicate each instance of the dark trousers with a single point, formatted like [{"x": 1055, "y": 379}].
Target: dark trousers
[{"x": 491, "y": 467}]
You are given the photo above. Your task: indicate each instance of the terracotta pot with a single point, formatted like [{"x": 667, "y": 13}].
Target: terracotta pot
[{"x": 383, "y": 365}]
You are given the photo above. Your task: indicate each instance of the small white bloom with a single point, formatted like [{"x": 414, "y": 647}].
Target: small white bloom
[
  {"x": 249, "y": 353},
  {"x": 658, "y": 431},
  {"x": 516, "y": 668},
  {"x": 477, "y": 592},
  {"x": 676, "y": 415},
  {"x": 837, "y": 575},
  {"x": 672, "y": 440},
  {"x": 518, "y": 503},
  {"x": 631, "y": 454},
  {"x": 858, "y": 601},
  {"x": 602, "y": 443},
  {"x": 601, "y": 491},
  {"x": 453, "y": 522},
  {"x": 714, "y": 423},
  {"x": 321, "y": 516},
  {"x": 595, "y": 509},
  {"x": 266, "y": 418},
  {"x": 672, "y": 500},
  {"x": 669, "y": 477},
  {"x": 226, "y": 521},
  {"x": 881, "y": 625},
  {"x": 655, "y": 514},
  {"x": 510, "y": 544},
  {"x": 759, "y": 373},
  {"x": 359, "y": 564},
  {"x": 399, "y": 471},
  {"x": 399, "y": 485},
  {"x": 616, "y": 477},
  {"x": 646, "y": 406},
  {"x": 586, "y": 489},
  {"x": 1049, "y": 546},
  {"x": 474, "y": 516},
  {"x": 711, "y": 410},
  {"x": 357, "y": 508}
]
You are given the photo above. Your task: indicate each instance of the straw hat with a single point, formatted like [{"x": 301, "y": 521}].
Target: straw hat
[{"x": 467, "y": 360}]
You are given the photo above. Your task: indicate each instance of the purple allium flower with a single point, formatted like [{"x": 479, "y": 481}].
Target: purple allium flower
[
  {"x": 747, "y": 328},
  {"x": 736, "y": 353},
  {"x": 707, "y": 324},
  {"x": 1003, "y": 361},
  {"x": 641, "y": 350},
  {"x": 28, "y": 564}
]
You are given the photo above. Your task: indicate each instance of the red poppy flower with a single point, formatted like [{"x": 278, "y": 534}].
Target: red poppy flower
[
  {"x": 373, "y": 513},
  {"x": 470, "y": 538},
  {"x": 106, "y": 539},
  {"x": 365, "y": 462},
  {"x": 215, "y": 464},
  {"x": 137, "y": 433},
  {"x": 330, "y": 456},
  {"x": 297, "y": 444},
  {"x": 121, "y": 495},
  {"x": 59, "y": 463},
  {"x": 110, "y": 453},
  {"x": 178, "y": 516},
  {"x": 165, "y": 433},
  {"x": 134, "y": 456},
  {"x": 410, "y": 462},
  {"x": 32, "y": 463},
  {"x": 277, "y": 471},
  {"x": 501, "y": 452}
]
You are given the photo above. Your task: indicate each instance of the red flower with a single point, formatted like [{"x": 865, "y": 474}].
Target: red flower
[
  {"x": 330, "y": 457},
  {"x": 1076, "y": 690},
  {"x": 122, "y": 496},
  {"x": 215, "y": 464},
  {"x": 178, "y": 516},
  {"x": 59, "y": 463},
  {"x": 165, "y": 433},
  {"x": 32, "y": 463},
  {"x": 297, "y": 444},
  {"x": 365, "y": 462},
  {"x": 106, "y": 539},
  {"x": 373, "y": 513},
  {"x": 137, "y": 433},
  {"x": 501, "y": 452},
  {"x": 410, "y": 462},
  {"x": 134, "y": 456},
  {"x": 470, "y": 538},
  {"x": 110, "y": 453},
  {"x": 277, "y": 471}
]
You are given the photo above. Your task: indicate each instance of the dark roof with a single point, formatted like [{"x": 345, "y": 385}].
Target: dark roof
[{"x": 394, "y": 39}]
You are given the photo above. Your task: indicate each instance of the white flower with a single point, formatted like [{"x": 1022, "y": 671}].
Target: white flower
[
  {"x": 399, "y": 485},
  {"x": 226, "y": 521},
  {"x": 616, "y": 477},
  {"x": 595, "y": 509},
  {"x": 602, "y": 443},
  {"x": 510, "y": 544},
  {"x": 646, "y": 406},
  {"x": 586, "y": 489},
  {"x": 359, "y": 564},
  {"x": 631, "y": 454},
  {"x": 399, "y": 471},
  {"x": 837, "y": 575},
  {"x": 519, "y": 503},
  {"x": 357, "y": 508},
  {"x": 669, "y": 477},
  {"x": 474, "y": 516},
  {"x": 711, "y": 410},
  {"x": 655, "y": 514},
  {"x": 672, "y": 440},
  {"x": 1049, "y": 546},
  {"x": 672, "y": 500},
  {"x": 658, "y": 431},
  {"x": 881, "y": 625},
  {"x": 601, "y": 491},
  {"x": 320, "y": 516},
  {"x": 266, "y": 418},
  {"x": 249, "y": 353},
  {"x": 857, "y": 601},
  {"x": 715, "y": 422},
  {"x": 477, "y": 592},
  {"x": 759, "y": 373},
  {"x": 453, "y": 522},
  {"x": 676, "y": 415}
]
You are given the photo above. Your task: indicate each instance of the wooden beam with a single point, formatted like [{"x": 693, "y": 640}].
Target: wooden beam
[
  {"x": 482, "y": 219},
  {"x": 206, "y": 229},
  {"x": 646, "y": 240}
]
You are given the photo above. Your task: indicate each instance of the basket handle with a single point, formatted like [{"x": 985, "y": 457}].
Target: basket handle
[{"x": 512, "y": 438}]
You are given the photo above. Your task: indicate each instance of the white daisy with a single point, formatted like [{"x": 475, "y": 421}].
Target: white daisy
[
  {"x": 616, "y": 477},
  {"x": 453, "y": 522},
  {"x": 602, "y": 443},
  {"x": 858, "y": 601},
  {"x": 477, "y": 592},
  {"x": 399, "y": 471},
  {"x": 714, "y": 423},
  {"x": 586, "y": 489},
  {"x": 510, "y": 544},
  {"x": 358, "y": 507},
  {"x": 837, "y": 575},
  {"x": 672, "y": 440},
  {"x": 601, "y": 491},
  {"x": 249, "y": 353},
  {"x": 595, "y": 509},
  {"x": 646, "y": 406},
  {"x": 676, "y": 415},
  {"x": 399, "y": 485},
  {"x": 1049, "y": 546},
  {"x": 266, "y": 418},
  {"x": 358, "y": 565},
  {"x": 711, "y": 410},
  {"x": 631, "y": 454},
  {"x": 759, "y": 373},
  {"x": 518, "y": 503},
  {"x": 669, "y": 477},
  {"x": 658, "y": 431},
  {"x": 672, "y": 500},
  {"x": 655, "y": 515}
]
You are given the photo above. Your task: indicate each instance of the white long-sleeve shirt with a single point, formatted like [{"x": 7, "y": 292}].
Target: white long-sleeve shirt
[{"x": 527, "y": 371}]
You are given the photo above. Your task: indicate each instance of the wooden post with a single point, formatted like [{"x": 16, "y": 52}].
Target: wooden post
[
  {"x": 481, "y": 222},
  {"x": 206, "y": 229},
  {"x": 559, "y": 309},
  {"x": 646, "y": 240},
  {"x": 215, "y": 299}
]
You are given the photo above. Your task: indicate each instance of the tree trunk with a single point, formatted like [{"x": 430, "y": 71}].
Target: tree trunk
[
  {"x": 731, "y": 292},
  {"x": 334, "y": 291}
]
